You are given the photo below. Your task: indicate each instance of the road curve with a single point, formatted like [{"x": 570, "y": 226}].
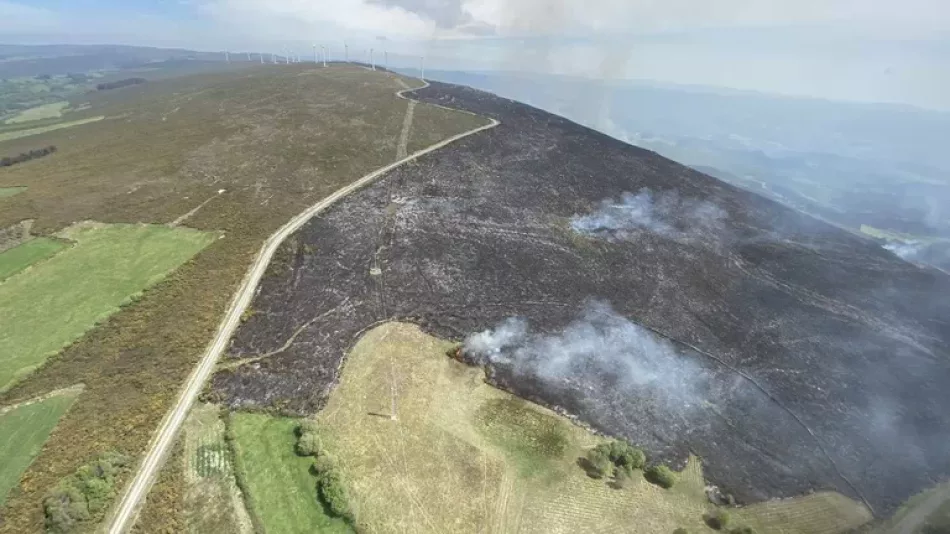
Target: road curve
[{"x": 122, "y": 516}]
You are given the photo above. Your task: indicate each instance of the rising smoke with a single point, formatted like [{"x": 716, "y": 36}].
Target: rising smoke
[
  {"x": 665, "y": 214},
  {"x": 598, "y": 349}
]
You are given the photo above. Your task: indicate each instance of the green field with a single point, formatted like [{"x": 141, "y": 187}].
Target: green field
[
  {"x": 20, "y": 257},
  {"x": 23, "y": 431},
  {"x": 16, "y": 134},
  {"x": 283, "y": 491},
  {"x": 10, "y": 191},
  {"x": 54, "y": 303},
  {"x": 46, "y": 111}
]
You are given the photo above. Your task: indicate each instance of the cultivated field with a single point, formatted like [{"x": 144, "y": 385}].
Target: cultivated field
[
  {"x": 20, "y": 257},
  {"x": 52, "y": 110},
  {"x": 55, "y": 302},
  {"x": 228, "y": 153},
  {"x": 213, "y": 502},
  {"x": 462, "y": 456},
  {"x": 23, "y": 430},
  {"x": 282, "y": 491}
]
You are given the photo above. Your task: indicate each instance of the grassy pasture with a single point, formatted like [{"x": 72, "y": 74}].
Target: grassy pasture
[
  {"x": 54, "y": 303},
  {"x": 23, "y": 430},
  {"x": 463, "y": 456},
  {"x": 10, "y": 191},
  {"x": 46, "y": 111},
  {"x": 22, "y": 256},
  {"x": 281, "y": 486},
  {"x": 16, "y": 134}
]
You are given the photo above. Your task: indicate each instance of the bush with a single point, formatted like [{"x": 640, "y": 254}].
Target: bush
[
  {"x": 680, "y": 531},
  {"x": 307, "y": 425},
  {"x": 622, "y": 454},
  {"x": 332, "y": 492},
  {"x": 83, "y": 495},
  {"x": 309, "y": 444},
  {"x": 661, "y": 475},
  {"x": 599, "y": 461},
  {"x": 742, "y": 530},
  {"x": 717, "y": 520}
]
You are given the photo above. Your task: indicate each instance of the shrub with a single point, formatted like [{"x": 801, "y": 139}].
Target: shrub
[
  {"x": 680, "y": 531},
  {"x": 307, "y": 425},
  {"x": 717, "y": 520},
  {"x": 622, "y": 454},
  {"x": 742, "y": 530},
  {"x": 332, "y": 492},
  {"x": 309, "y": 444},
  {"x": 599, "y": 462},
  {"x": 81, "y": 496},
  {"x": 661, "y": 475}
]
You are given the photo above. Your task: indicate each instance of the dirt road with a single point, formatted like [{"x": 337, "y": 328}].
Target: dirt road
[{"x": 122, "y": 518}]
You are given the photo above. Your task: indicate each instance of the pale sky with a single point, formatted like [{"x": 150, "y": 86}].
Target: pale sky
[{"x": 865, "y": 50}]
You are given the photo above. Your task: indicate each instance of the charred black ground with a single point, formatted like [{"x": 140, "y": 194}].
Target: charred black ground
[{"x": 823, "y": 358}]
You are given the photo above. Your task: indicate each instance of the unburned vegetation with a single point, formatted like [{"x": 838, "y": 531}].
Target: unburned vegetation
[{"x": 251, "y": 148}]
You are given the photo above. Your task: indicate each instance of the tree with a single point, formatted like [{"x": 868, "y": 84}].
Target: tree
[
  {"x": 332, "y": 492},
  {"x": 623, "y": 454},
  {"x": 661, "y": 475}
]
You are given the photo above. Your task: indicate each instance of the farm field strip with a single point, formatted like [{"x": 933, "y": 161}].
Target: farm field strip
[
  {"x": 279, "y": 481},
  {"x": 56, "y": 301},
  {"x": 22, "y": 256},
  {"x": 17, "y": 134},
  {"x": 10, "y": 191},
  {"x": 46, "y": 111},
  {"x": 23, "y": 430}
]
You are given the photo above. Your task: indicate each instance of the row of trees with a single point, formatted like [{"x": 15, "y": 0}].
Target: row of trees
[
  {"x": 330, "y": 487},
  {"x": 7, "y": 161},
  {"x": 120, "y": 83},
  {"x": 620, "y": 459}
]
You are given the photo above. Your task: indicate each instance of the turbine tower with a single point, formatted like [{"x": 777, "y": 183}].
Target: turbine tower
[
  {"x": 227, "y": 56},
  {"x": 346, "y": 52},
  {"x": 372, "y": 62},
  {"x": 326, "y": 55}
]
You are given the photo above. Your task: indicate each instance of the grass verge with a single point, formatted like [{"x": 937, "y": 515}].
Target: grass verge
[
  {"x": 23, "y": 430},
  {"x": 54, "y": 303},
  {"x": 279, "y": 482},
  {"x": 22, "y": 256}
]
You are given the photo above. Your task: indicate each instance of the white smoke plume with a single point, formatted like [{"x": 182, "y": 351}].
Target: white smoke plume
[
  {"x": 598, "y": 349},
  {"x": 909, "y": 251},
  {"x": 665, "y": 214}
]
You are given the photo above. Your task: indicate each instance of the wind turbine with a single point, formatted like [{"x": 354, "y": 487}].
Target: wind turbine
[
  {"x": 326, "y": 55},
  {"x": 227, "y": 56},
  {"x": 422, "y": 68},
  {"x": 346, "y": 52},
  {"x": 372, "y": 62}
]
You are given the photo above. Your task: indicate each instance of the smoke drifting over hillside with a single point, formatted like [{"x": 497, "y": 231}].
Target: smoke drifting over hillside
[
  {"x": 598, "y": 349},
  {"x": 665, "y": 214}
]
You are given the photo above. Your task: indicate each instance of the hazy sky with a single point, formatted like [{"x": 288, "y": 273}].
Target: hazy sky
[{"x": 868, "y": 50}]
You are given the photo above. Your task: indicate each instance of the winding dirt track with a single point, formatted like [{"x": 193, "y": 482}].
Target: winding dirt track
[{"x": 122, "y": 517}]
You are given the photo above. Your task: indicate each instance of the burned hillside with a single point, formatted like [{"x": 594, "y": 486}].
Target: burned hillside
[{"x": 788, "y": 354}]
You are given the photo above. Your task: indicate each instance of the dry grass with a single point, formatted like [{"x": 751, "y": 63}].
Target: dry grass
[
  {"x": 277, "y": 139},
  {"x": 465, "y": 457}
]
